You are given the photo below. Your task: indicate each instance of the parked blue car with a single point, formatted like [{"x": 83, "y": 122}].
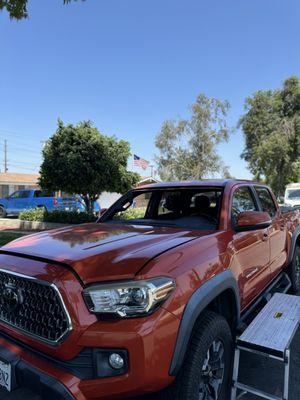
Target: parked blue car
[{"x": 31, "y": 198}]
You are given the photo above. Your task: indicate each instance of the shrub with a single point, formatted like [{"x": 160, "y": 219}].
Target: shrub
[
  {"x": 131, "y": 213},
  {"x": 33, "y": 214},
  {"x": 56, "y": 216},
  {"x": 69, "y": 217}
]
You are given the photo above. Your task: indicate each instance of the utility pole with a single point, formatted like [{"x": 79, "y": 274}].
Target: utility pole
[
  {"x": 151, "y": 168},
  {"x": 5, "y": 156}
]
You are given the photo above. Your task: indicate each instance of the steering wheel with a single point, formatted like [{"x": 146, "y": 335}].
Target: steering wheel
[{"x": 210, "y": 218}]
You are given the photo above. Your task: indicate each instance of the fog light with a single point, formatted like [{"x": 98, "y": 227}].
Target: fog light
[{"x": 116, "y": 361}]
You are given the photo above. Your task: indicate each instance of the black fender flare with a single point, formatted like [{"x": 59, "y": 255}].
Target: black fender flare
[
  {"x": 295, "y": 236},
  {"x": 199, "y": 300}
]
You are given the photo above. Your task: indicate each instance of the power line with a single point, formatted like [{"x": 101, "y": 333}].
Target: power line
[
  {"x": 25, "y": 150},
  {"x": 21, "y": 165},
  {"x": 14, "y": 133},
  {"x": 21, "y": 162},
  {"x": 19, "y": 137},
  {"x": 34, "y": 169}
]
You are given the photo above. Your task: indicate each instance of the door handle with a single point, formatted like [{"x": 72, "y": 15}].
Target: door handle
[
  {"x": 251, "y": 273},
  {"x": 265, "y": 237},
  {"x": 282, "y": 226}
]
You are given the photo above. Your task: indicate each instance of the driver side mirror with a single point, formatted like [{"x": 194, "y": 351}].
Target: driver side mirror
[{"x": 252, "y": 220}]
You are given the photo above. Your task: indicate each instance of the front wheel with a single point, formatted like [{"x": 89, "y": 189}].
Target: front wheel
[
  {"x": 3, "y": 213},
  {"x": 205, "y": 374},
  {"x": 294, "y": 270}
]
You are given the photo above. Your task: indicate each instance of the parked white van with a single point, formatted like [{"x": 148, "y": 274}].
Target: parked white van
[{"x": 292, "y": 195}]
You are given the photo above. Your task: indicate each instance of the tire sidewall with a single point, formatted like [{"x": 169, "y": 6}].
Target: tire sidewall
[
  {"x": 293, "y": 275},
  {"x": 227, "y": 358},
  {"x": 217, "y": 329},
  {"x": 2, "y": 212}
]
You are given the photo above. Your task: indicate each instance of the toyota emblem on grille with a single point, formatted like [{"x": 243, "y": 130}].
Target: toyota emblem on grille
[{"x": 10, "y": 298}]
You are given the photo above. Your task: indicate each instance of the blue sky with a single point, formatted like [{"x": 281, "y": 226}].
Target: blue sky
[{"x": 128, "y": 65}]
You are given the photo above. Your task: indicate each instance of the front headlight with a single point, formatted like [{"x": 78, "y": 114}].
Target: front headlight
[{"x": 128, "y": 299}]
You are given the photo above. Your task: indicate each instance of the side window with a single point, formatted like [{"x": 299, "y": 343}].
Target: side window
[
  {"x": 170, "y": 204},
  {"x": 37, "y": 193},
  {"x": 266, "y": 201},
  {"x": 15, "y": 195},
  {"x": 135, "y": 210},
  {"x": 24, "y": 194},
  {"x": 242, "y": 201}
]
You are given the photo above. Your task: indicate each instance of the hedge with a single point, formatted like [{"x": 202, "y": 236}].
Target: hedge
[
  {"x": 131, "y": 213},
  {"x": 57, "y": 216}
]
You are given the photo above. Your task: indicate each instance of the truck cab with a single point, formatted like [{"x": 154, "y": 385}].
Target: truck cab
[
  {"x": 25, "y": 199},
  {"x": 292, "y": 195}
]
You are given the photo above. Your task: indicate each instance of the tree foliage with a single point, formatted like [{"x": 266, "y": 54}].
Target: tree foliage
[
  {"x": 271, "y": 127},
  {"x": 78, "y": 159},
  {"x": 17, "y": 9},
  {"x": 188, "y": 147}
]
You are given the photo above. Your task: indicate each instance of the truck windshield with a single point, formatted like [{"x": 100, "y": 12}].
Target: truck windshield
[
  {"x": 190, "y": 208},
  {"x": 293, "y": 194}
]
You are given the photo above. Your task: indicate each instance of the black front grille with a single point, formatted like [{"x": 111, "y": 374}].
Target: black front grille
[{"x": 33, "y": 306}]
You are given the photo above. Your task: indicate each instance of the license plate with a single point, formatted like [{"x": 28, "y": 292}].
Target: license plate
[{"x": 5, "y": 375}]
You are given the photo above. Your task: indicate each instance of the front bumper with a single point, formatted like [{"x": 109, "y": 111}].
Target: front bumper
[
  {"x": 27, "y": 376},
  {"x": 149, "y": 342}
]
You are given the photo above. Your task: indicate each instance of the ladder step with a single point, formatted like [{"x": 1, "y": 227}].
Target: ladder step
[{"x": 257, "y": 392}]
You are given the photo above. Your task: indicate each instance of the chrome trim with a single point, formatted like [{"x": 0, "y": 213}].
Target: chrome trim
[
  {"x": 60, "y": 298},
  {"x": 253, "y": 272}
]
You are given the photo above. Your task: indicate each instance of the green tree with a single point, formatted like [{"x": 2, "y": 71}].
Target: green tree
[
  {"x": 188, "y": 147},
  {"x": 78, "y": 159},
  {"x": 17, "y": 9},
  {"x": 271, "y": 126}
]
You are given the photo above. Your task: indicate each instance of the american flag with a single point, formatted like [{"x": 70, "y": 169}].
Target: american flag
[{"x": 140, "y": 162}]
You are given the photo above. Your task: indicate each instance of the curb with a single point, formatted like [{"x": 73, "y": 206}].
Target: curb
[{"x": 21, "y": 225}]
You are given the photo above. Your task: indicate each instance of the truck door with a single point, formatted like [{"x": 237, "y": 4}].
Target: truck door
[
  {"x": 250, "y": 249},
  {"x": 277, "y": 231},
  {"x": 12, "y": 202},
  {"x": 20, "y": 201}
]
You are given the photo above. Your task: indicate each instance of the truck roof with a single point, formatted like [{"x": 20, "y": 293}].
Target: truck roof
[
  {"x": 204, "y": 182},
  {"x": 293, "y": 185}
]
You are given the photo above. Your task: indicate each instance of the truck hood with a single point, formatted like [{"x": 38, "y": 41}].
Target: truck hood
[{"x": 99, "y": 252}]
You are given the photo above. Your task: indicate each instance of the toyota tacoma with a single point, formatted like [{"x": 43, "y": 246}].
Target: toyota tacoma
[{"x": 148, "y": 299}]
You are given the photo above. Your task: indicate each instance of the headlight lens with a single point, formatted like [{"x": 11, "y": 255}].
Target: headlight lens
[{"x": 128, "y": 299}]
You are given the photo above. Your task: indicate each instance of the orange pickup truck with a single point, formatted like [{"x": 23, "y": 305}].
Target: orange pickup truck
[{"x": 150, "y": 297}]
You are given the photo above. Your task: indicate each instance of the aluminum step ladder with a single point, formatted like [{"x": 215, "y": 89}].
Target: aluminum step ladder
[{"x": 270, "y": 335}]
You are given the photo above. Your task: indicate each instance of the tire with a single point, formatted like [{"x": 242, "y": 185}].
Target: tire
[
  {"x": 206, "y": 371},
  {"x": 294, "y": 270},
  {"x": 3, "y": 212}
]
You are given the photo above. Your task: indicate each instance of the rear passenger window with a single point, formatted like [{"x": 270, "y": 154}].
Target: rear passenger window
[
  {"x": 24, "y": 194},
  {"x": 39, "y": 193},
  {"x": 242, "y": 201},
  {"x": 266, "y": 201}
]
